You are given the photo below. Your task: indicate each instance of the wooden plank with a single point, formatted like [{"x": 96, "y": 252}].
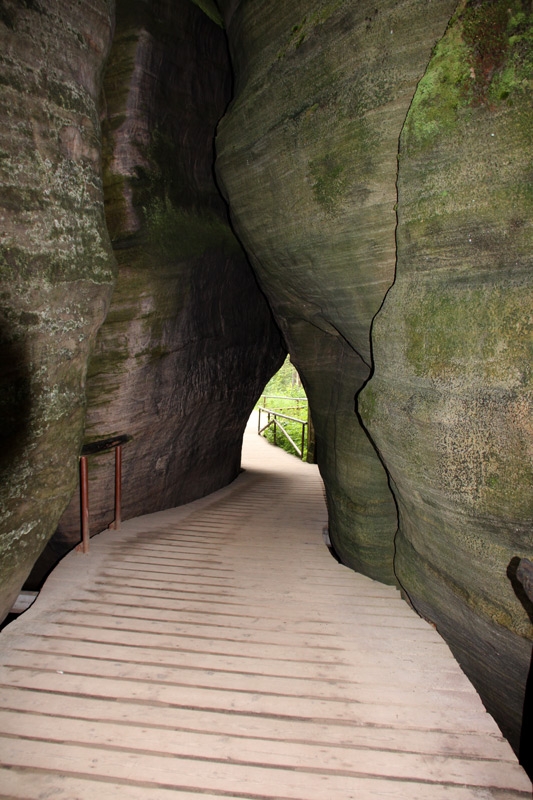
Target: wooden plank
[
  {"x": 220, "y": 651},
  {"x": 361, "y": 589},
  {"x": 324, "y": 656},
  {"x": 176, "y": 572},
  {"x": 152, "y": 608},
  {"x": 356, "y": 671},
  {"x": 112, "y": 589},
  {"x": 368, "y": 710},
  {"x": 24, "y": 784},
  {"x": 354, "y": 691},
  {"x": 258, "y": 781},
  {"x": 140, "y": 632},
  {"x": 83, "y": 614},
  {"x": 261, "y": 753},
  {"x": 128, "y": 606},
  {"x": 333, "y": 733}
]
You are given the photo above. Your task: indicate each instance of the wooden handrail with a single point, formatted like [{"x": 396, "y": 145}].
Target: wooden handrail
[{"x": 274, "y": 422}]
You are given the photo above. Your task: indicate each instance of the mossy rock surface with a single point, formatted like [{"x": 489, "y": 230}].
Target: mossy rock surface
[{"x": 450, "y": 403}]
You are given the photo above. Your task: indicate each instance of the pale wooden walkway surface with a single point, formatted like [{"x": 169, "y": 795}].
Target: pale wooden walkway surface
[{"x": 218, "y": 651}]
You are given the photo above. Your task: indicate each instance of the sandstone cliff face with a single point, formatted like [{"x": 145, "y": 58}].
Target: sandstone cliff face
[
  {"x": 56, "y": 263},
  {"x": 450, "y": 403},
  {"x": 189, "y": 341},
  {"x": 308, "y": 157}
]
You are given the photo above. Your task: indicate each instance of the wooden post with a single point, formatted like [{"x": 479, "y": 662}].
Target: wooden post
[
  {"x": 84, "y": 486},
  {"x": 92, "y": 448},
  {"x": 118, "y": 487},
  {"x": 311, "y": 441}
]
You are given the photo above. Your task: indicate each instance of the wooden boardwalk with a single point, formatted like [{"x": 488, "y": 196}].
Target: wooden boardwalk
[{"x": 218, "y": 651}]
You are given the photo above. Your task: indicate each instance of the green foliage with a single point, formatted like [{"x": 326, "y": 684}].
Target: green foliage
[
  {"x": 286, "y": 382},
  {"x": 285, "y": 393},
  {"x": 445, "y": 79}
]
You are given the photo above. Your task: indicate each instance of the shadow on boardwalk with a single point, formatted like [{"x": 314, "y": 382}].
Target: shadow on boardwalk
[{"x": 217, "y": 650}]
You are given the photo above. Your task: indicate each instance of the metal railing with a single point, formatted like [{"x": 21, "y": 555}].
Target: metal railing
[{"x": 273, "y": 418}]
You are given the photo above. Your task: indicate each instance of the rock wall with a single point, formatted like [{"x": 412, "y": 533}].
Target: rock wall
[
  {"x": 450, "y": 403},
  {"x": 189, "y": 341},
  {"x": 356, "y": 155},
  {"x": 308, "y": 157},
  {"x": 440, "y": 443},
  {"x": 56, "y": 262}
]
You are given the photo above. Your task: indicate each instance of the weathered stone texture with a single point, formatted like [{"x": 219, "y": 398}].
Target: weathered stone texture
[
  {"x": 450, "y": 402},
  {"x": 56, "y": 263},
  {"x": 307, "y": 155},
  {"x": 189, "y": 341}
]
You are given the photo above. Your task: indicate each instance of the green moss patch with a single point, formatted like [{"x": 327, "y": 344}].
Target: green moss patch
[
  {"x": 484, "y": 59},
  {"x": 488, "y": 331}
]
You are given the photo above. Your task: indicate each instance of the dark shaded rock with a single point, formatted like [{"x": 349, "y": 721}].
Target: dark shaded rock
[
  {"x": 189, "y": 341},
  {"x": 56, "y": 263},
  {"x": 308, "y": 158},
  {"x": 450, "y": 403}
]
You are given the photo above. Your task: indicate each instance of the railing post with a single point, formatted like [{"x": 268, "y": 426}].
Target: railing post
[
  {"x": 84, "y": 486},
  {"x": 115, "y": 525},
  {"x": 92, "y": 448},
  {"x": 311, "y": 439}
]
